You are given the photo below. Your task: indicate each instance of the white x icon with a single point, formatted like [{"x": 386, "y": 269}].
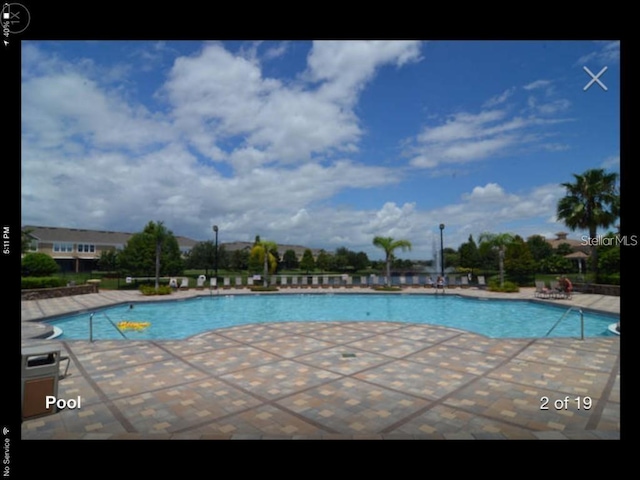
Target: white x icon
[{"x": 594, "y": 78}]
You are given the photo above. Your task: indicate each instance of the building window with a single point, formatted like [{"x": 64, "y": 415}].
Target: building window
[
  {"x": 86, "y": 248},
  {"x": 63, "y": 247},
  {"x": 33, "y": 246}
]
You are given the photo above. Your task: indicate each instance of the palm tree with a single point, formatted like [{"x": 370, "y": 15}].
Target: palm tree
[
  {"x": 592, "y": 201},
  {"x": 160, "y": 234},
  {"x": 262, "y": 249},
  {"x": 388, "y": 244},
  {"x": 498, "y": 241}
]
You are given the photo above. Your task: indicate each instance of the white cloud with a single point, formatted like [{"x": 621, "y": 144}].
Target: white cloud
[
  {"x": 611, "y": 163},
  {"x": 538, "y": 84},
  {"x": 499, "y": 99},
  {"x": 608, "y": 52}
]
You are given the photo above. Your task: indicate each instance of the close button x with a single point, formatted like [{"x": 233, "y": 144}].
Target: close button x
[{"x": 595, "y": 78}]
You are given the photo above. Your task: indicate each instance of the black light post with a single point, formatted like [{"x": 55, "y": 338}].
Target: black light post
[
  {"x": 441, "y": 251},
  {"x": 215, "y": 229}
]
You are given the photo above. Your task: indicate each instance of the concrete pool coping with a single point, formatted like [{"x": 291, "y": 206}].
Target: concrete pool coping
[{"x": 332, "y": 380}]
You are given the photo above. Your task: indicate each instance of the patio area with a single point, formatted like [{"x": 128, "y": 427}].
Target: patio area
[{"x": 332, "y": 380}]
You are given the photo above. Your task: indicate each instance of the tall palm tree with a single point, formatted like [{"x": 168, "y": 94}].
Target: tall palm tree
[
  {"x": 592, "y": 201},
  {"x": 160, "y": 234},
  {"x": 388, "y": 244},
  {"x": 498, "y": 241}
]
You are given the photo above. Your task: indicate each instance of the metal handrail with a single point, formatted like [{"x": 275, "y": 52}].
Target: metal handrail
[
  {"x": 110, "y": 321},
  {"x": 564, "y": 315}
]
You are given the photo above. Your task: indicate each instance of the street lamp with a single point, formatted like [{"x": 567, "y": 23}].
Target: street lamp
[
  {"x": 215, "y": 229},
  {"x": 441, "y": 251}
]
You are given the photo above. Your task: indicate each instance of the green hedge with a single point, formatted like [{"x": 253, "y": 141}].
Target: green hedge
[
  {"x": 270, "y": 288},
  {"x": 151, "y": 290},
  {"x": 507, "y": 286},
  {"x": 29, "y": 283}
]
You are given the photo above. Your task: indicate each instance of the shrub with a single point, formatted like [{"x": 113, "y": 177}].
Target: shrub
[
  {"x": 609, "y": 279},
  {"x": 508, "y": 287},
  {"x": 151, "y": 290},
  {"x": 37, "y": 264},
  {"x": 259, "y": 288},
  {"x": 42, "y": 282},
  {"x": 387, "y": 289}
]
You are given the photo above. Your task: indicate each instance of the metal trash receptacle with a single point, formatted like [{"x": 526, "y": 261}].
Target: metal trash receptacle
[{"x": 40, "y": 375}]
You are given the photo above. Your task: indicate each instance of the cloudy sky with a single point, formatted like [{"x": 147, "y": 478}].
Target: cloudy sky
[{"x": 325, "y": 144}]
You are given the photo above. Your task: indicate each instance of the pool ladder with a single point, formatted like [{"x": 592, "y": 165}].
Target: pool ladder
[
  {"x": 564, "y": 315},
  {"x": 110, "y": 321}
]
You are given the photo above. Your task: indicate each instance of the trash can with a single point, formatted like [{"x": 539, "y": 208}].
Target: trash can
[{"x": 40, "y": 375}]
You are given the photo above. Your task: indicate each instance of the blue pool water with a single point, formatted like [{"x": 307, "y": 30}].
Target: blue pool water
[{"x": 181, "y": 319}]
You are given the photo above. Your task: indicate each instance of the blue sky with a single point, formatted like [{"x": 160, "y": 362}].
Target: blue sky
[{"x": 325, "y": 144}]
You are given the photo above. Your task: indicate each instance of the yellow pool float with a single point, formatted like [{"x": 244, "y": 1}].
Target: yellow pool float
[{"x": 128, "y": 325}]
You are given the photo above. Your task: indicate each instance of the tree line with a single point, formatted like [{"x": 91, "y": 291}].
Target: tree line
[{"x": 591, "y": 202}]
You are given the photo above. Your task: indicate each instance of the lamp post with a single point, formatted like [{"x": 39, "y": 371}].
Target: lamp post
[
  {"x": 441, "y": 251},
  {"x": 215, "y": 230}
]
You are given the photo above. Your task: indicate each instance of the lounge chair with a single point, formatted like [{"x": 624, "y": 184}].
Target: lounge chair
[
  {"x": 464, "y": 281},
  {"x": 541, "y": 290},
  {"x": 294, "y": 281},
  {"x": 238, "y": 282},
  {"x": 558, "y": 291},
  {"x": 481, "y": 282},
  {"x": 325, "y": 281},
  {"x": 416, "y": 280},
  {"x": 226, "y": 282},
  {"x": 363, "y": 281},
  {"x": 213, "y": 282},
  {"x": 184, "y": 283},
  {"x": 314, "y": 282}
]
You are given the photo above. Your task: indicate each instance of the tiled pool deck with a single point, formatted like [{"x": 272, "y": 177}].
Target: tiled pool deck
[{"x": 332, "y": 380}]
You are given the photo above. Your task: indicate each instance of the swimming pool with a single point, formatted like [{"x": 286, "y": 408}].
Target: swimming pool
[{"x": 180, "y": 319}]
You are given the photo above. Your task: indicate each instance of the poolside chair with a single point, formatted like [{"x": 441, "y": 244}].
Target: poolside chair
[
  {"x": 184, "y": 283},
  {"x": 304, "y": 283},
  {"x": 541, "y": 290},
  {"x": 249, "y": 281},
  {"x": 238, "y": 282},
  {"x": 213, "y": 282},
  {"x": 314, "y": 282},
  {"x": 294, "y": 281},
  {"x": 554, "y": 289},
  {"x": 363, "y": 281},
  {"x": 416, "y": 281},
  {"x": 226, "y": 282},
  {"x": 325, "y": 281},
  {"x": 481, "y": 282},
  {"x": 464, "y": 281}
]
